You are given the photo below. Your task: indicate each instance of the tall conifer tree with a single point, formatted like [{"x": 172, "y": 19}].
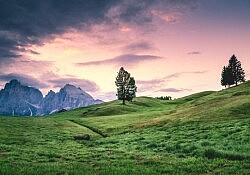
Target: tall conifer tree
[
  {"x": 126, "y": 87},
  {"x": 236, "y": 69},
  {"x": 233, "y": 73}
]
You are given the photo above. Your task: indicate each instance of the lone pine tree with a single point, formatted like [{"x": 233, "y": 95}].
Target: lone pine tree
[
  {"x": 126, "y": 88},
  {"x": 233, "y": 73}
]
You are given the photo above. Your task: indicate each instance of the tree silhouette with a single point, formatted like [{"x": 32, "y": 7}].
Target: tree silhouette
[
  {"x": 233, "y": 73},
  {"x": 226, "y": 77},
  {"x": 238, "y": 73},
  {"x": 126, "y": 87},
  {"x": 164, "y": 98}
]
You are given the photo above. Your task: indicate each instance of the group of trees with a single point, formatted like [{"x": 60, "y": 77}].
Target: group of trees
[
  {"x": 164, "y": 98},
  {"x": 233, "y": 73},
  {"x": 126, "y": 88}
]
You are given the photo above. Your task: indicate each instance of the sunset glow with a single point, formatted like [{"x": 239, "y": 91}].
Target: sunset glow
[{"x": 171, "y": 47}]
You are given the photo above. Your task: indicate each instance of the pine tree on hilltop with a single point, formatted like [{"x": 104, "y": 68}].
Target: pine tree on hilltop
[
  {"x": 233, "y": 73},
  {"x": 121, "y": 81},
  {"x": 237, "y": 71},
  {"x": 126, "y": 87}
]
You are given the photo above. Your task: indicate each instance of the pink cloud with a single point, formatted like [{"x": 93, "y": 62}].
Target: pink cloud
[{"x": 171, "y": 18}]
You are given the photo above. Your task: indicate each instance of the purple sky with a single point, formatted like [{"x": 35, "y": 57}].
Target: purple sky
[{"x": 171, "y": 47}]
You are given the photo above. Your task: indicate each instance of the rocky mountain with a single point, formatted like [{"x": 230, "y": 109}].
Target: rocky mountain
[
  {"x": 16, "y": 99},
  {"x": 20, "y": 100},
  {"x": 69, "y": 97}
]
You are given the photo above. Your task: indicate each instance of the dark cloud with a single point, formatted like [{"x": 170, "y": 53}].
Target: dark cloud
[
  {"x": 194, "y": 53},
  {"x": 127, "y": 11},
  {"x": 122, "y": 60},
  {"x": 138, "y": 46},
  {"x": 173, "y": 90},
  {"x": 31, "y": 22},
  {"x": 24, "y": 79},
  {"x": 24, "y": 23},
  {"x": 140, "y": 12},
  {"x": 8, "y": 49},
  {"x": 84, "y": 84}
]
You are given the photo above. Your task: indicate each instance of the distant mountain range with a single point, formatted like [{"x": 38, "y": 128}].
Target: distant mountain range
[{"x": 19, "y": 100}]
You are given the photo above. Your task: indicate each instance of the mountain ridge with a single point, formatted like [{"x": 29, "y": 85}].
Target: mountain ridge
[{"x": 20, "y": 100}]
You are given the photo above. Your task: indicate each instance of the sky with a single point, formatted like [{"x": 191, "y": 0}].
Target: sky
[{"x": 171, "y": 47}]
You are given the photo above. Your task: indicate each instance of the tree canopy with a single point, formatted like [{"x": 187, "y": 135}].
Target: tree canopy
[
  {"x": 126, "y": 88},
  {"x": 233, "y": 73}
]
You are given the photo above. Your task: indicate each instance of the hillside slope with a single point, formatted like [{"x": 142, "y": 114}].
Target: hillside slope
[{"x": 204, "y": 133}]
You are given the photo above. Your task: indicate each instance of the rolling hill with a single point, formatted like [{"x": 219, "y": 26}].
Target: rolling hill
[{"x": 204, "y": 133}]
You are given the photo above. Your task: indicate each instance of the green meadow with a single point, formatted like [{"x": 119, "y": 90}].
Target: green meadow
[{"x": 204, "y": 133}]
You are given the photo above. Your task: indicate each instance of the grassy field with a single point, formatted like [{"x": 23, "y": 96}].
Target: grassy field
[{"x": 204, "y": 133}]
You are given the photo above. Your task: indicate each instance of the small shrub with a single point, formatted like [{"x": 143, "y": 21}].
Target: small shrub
[
  {"x": 152, "y": 145},
  {"x": 212, "y": 154},
  {"x": 205, "y": 143},
  {"x": 82, "y": 137},
  {"x": 189, "y": 149}
]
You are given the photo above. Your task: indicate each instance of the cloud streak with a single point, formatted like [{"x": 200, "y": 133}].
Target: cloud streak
[
  {"x": 173, "y": 90},
  {"x": 178, "y": 74},
  {"x": 194, "y": 53},
  {"x": 154, "y": 84},
  {"x": 171, "y": 18},
  {"x": 138, "y": 46},
  {"x": 122, "y": 60}
]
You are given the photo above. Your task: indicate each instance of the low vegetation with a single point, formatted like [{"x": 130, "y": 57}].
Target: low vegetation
[{"x": 204, "y": 133}]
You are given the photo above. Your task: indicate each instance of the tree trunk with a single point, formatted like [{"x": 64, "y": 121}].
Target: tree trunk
[{"x": 123, "y": 95}]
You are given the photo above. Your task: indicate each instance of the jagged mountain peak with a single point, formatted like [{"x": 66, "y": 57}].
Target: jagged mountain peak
[
  {"x": 71, "y": 89},
  {"x": 50, "y": 93},
  {"x": 12, "y": 83},
  {"x": 18, "y": 99},
  {"x": 75, "y": 92}
]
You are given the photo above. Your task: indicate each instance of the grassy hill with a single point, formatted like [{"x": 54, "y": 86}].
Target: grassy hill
[{"x": 204, "y": 133}]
